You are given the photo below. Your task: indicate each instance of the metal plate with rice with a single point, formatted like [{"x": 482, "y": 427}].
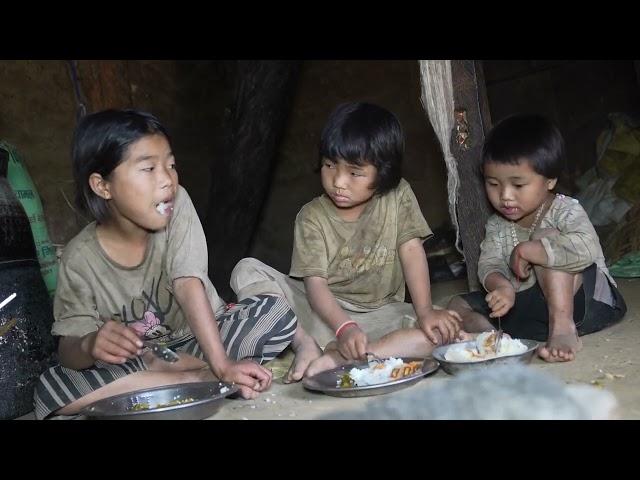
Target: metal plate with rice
[
  {"x": 185, "y": 401},
  {"x": 326, "y": 382},
  {"x": 453, "y": 368}
]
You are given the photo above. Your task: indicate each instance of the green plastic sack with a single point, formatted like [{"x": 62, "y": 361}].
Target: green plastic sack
[
  {"x": 627, "y": 267},
  {"x": 24, "y": 189}
]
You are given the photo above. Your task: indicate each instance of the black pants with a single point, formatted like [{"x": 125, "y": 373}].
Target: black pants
[{"x": 529, "y": 316}]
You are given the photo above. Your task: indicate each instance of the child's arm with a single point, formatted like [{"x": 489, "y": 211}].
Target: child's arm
[
  {"x": 84, "y": 336},
  {"x": 112, "y": 343},
  {"x": 416, "y": 275},
  {"x": 188, "y": 272},
  {"x": 352, "y": 341},
  {"x": 249, "y": 376},
  {"x": 493, "y": 270},
  {"x": 571, "y": 246},
  {"x": 526, "y": 254}
]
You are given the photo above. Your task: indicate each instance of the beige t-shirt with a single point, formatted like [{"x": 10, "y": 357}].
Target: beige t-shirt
[
  {"x": 92, "y": 287},
  {"x": 359, "y": 259},
  {"x": 573, "y": 250}
]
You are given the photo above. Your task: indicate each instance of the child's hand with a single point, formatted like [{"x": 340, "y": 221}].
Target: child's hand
[
  {"x": 447, "y": 322},
  {"x": 520, "y": 267},
  {"x": 250, "y": 377},
  {"x": 352, "y": 343},
  {"x": 501, "y": 300},
  {"x": 114, "y": 342}
]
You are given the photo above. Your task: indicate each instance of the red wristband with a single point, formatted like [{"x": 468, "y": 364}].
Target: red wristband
[{"x": 341, "y": 327}]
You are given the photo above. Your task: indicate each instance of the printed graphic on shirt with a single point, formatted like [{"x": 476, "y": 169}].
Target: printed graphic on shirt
[
  {"x": 356, "y": 261},
  {"x": 147, "y": 313},
  {"x": 150, "y": 326}
]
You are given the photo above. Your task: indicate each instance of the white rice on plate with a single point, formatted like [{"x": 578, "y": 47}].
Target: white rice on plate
[
  {"x": 379, "y": 372},
  {"x": 484, "y": 348}
]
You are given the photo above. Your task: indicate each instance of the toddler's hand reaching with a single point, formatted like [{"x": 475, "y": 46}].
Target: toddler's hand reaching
[{"x": 501, "y": 300}]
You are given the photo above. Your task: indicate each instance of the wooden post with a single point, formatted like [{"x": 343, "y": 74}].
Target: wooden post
[
  {"x": 473, "y": 121},
  {"x": 105, "y": 84},
  {"x": 241, "y": 176}
]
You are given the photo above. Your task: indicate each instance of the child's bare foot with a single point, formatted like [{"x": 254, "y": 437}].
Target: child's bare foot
[
  {"x": 331, "y": 359},
  {"x": 307, "y": 350},
  {"x": 465, "y": 337},
  {"x": 560, "y": 347}
]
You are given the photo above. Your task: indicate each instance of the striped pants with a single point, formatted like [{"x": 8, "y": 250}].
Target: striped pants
[{"x": 256, "y": 328}]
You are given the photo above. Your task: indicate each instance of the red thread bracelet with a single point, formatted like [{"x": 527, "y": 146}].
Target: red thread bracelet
[{"x": 345, "y": 324}]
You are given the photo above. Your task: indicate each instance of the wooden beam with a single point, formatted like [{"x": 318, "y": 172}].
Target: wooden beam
[
  {"x": 473, "y": 121},
  {"x": 105, "y": 84},
  {"x": 242, "y": 175}
]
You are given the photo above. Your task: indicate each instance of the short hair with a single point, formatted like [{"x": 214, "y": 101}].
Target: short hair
[
  {"x": 100, "y": 143},
  {"x": 362, "y": 133},
  {"x": 526, "y": 136}
]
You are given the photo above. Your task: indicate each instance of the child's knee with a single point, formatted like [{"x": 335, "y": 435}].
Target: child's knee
[
  {"x": 458, "y": 304},
  {"x": 247, "y": 265},
  {"x": 247, "y": 272}
]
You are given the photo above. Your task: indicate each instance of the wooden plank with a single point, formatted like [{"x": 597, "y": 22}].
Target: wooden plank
[{"x": 473, "y": 121}]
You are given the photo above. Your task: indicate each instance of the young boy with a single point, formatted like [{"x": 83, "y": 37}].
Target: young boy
[
  {"x": 541, "y": 261},
  {"x": 355, "y": 246}
]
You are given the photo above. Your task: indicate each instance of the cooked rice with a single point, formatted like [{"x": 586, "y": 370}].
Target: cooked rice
[{"x": 482, "y": 349}]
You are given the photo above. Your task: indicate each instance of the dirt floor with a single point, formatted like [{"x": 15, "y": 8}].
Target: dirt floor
[{"x": 609, "y": 360}]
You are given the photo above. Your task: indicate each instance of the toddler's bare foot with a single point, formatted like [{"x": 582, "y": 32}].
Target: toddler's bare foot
[
  {"x": 331, "y": 359},
  {"x": 307, "y": 350},
  {"x": 560, "y": 347}
]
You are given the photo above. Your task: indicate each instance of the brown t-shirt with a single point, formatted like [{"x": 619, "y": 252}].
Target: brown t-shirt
[
  {"x": 359, "y": 259},
  {"x": 92, "y": 287}
]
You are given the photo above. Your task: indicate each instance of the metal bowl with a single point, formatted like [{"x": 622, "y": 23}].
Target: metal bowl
[
  {"x": 453, "y": 368},
  {"x": 325, "y": 382},
  {"x": 207, "y": 400}
]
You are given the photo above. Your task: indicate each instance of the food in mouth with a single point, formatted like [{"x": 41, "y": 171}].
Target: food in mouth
[{"x": 163, "y": 207}]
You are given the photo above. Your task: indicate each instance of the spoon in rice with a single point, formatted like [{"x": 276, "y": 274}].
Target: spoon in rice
[
  {"x": 374, "y": 356},
  {"x": 498, "y": 337}
]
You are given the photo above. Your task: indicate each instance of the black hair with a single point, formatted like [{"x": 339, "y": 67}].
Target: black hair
[
  {"x": 529, "y": 137},
  {"x": 100, "y": 143},
  {"x": 362, "y": 133}
]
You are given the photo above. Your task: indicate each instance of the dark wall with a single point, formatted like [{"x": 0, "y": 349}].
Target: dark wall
[
  {"x": 38, "y": 117},
  {"x": 576, "y": 95}
]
